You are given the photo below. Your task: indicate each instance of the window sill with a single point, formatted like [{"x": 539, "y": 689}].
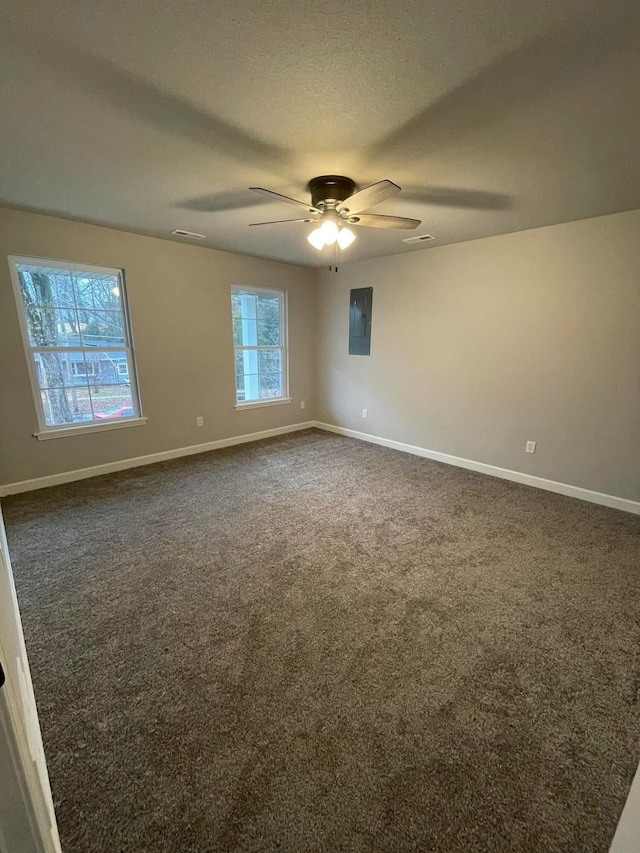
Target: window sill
[
  {"x": 259, "y": 404},
  {"x": 81, "y": 430}
]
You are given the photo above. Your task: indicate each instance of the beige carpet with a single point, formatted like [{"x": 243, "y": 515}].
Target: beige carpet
[{"x": 315, "y": 644}]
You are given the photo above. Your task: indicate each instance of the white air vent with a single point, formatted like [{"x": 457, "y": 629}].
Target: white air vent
[
  {"x": 419, "y": 239},
  {"x": 190, "y": 234}
]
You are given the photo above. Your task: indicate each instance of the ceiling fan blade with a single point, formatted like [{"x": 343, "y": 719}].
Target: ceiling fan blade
[
  {"x": 285, "y": 198},
  {"x": 280, "y": 221},
  {"x": 369, "y": 196},
  {"x": 371, "y": 220}
]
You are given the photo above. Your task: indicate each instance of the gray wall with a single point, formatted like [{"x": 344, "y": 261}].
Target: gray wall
[
  {"x": 479, "y": 346},
  {"x": 181, "y": 316},
  {"x": 476, "y": 348}
]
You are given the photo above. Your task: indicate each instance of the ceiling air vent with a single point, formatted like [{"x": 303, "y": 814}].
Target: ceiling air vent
[
  {"x": 420, "y": 239},
  {"x": 190, "y": 234}
]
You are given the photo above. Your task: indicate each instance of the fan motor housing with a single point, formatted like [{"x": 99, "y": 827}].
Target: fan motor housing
[{"x": 330, "y": 188}]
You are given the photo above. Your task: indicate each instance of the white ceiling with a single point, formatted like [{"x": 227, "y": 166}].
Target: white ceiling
[{"x": 152, "y": 115}]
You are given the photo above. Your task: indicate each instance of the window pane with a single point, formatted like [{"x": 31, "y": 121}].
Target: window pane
[
  {"x": 62, "y": 291},
  {"x": 106, "y": 368},
  {"x": 97, "y": 291},
  {"x": 52, "y": 327},
  {"x": 239, "y": 363},
  {"x": 101, "y": 328},
  {"x": 245, "y": 333},
  {"x": 240, "y": 388},
  {"x": 89, "y": 369},
  {"x": 270, "y": 373},
  {"x": 51, "y": 289},
  {"x": 268, "y": 334},
  {"x": 270, "y": 385},
  {"x": 111, "y": 401},
  {"x": 66, "y": 406},
  {"x": 60, "y": 369},
  {"x": 258, "y": 374},
  {"x": 251, "y": 386},
  {"x": 247, "y": 305},
  {"x": 247, "y": 374},
  {"x": 268, "y": 308},
  {"x": 269, "y": 361},
  {"x": 236, "y": 315}
]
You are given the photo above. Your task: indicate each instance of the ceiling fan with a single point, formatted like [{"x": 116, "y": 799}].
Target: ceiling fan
[{"x": 335, "y": 203}]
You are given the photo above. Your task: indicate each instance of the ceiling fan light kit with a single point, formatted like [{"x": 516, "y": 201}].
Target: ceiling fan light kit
[
  {"x": 345, "y": 238},
  {"x": 335, "y": 203},
  {"x": 318, "y": 237},
  {"x": 329, "y": 229}
]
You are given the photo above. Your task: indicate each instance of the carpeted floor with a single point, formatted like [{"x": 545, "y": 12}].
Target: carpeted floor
[{"x": 315, "y": 644}]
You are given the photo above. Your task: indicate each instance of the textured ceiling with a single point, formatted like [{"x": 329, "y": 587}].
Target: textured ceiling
[{"x": 149, "y": 115}]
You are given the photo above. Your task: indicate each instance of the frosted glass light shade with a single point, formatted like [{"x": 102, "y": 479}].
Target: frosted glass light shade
[
  {"x": 316, "y": 238},
  {"x": 345, "y": 238},
  {"x": 329, "y": 232}
]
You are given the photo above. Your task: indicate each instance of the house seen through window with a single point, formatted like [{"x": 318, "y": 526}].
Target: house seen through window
[
  {"x": 78, "y": 342},
  {"x": 259, "y": 339}
]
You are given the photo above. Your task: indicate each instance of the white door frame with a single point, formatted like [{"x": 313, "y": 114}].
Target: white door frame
[
  {"x": 627, "y": 837},
  {"x": 27, "y": 818}
]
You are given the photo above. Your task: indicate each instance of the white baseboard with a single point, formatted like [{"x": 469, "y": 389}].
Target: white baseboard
[
  {"x": 482, "y": 467},
  {"x": 504, "y": 473},
  {"x": 123, "y": 464}
]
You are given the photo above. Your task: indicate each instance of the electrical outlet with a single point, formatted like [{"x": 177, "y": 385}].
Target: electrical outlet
[
  {"x": 530, "y": 447},
  {"x": 303, "y": 404},
  {"x": 365, "y": 413},
  {"x": 199, "y": 421}
]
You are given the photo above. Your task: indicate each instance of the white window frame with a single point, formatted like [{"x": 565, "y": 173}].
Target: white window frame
[
  {"x": 237, "y": 289},
  {"x": 47, "y": 431}
]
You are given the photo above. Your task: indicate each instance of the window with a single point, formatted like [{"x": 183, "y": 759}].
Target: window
[
  {"x": 259, "y": 340},
  {"x": 76, "y": 332},
  {"x": 82, "y": 368}
]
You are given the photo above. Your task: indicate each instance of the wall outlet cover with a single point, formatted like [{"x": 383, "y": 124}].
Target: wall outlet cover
[
  {"x": 530, "y": 447},
  {"x": 365, "y": 413},
  {"x": 200, "y": 421}
]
